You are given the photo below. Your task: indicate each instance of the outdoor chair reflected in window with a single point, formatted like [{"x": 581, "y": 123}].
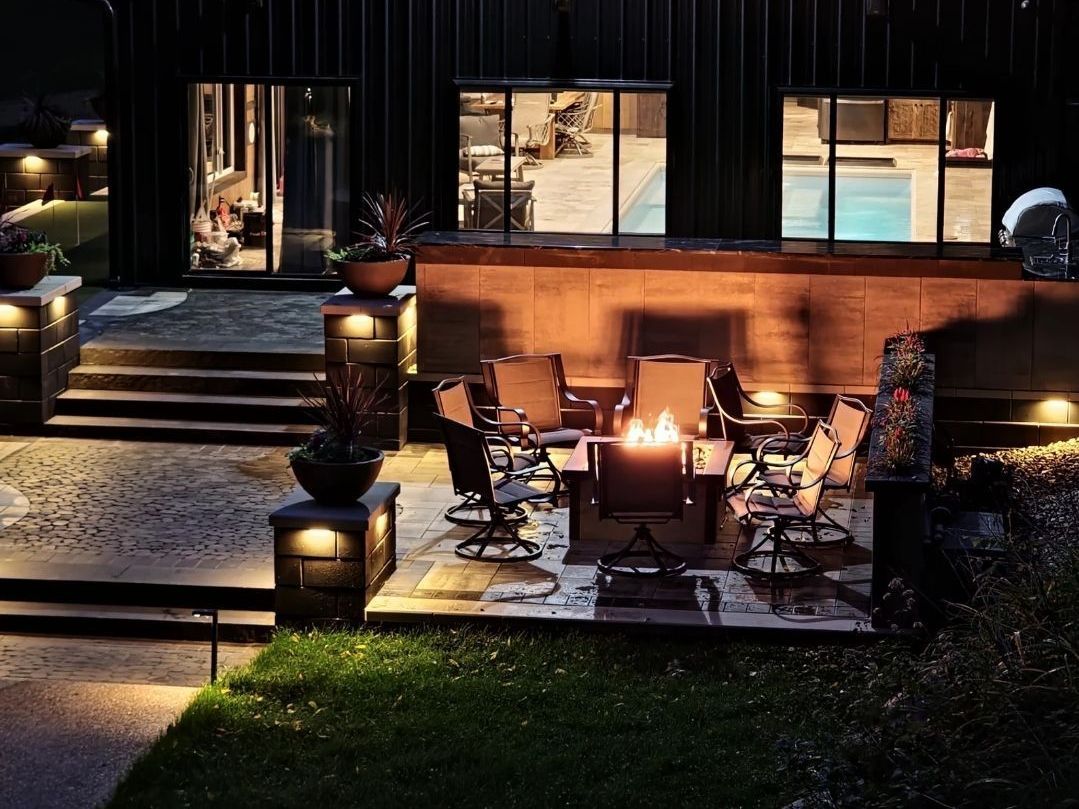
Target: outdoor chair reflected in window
[
  {"x": 485, "y": 206},
  {"x": 574, "y": 123},
  {"x": 667, "y": 382},
  {"x": 531, "y": 389},
  {"x": 497, "y": 540},
  {"x": 794, "y": 506}
]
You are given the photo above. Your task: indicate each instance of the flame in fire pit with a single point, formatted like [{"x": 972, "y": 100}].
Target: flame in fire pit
[{"x": 665, "y": 431}]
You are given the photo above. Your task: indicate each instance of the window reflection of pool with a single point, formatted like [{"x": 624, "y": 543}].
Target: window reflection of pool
[{"x": 870, "y": 205}]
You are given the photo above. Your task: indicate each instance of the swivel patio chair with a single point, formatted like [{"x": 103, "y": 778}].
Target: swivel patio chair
[
  {"x": 666, "y": 382},
  {"x": 850, "y": 419},
  {"x": 730, "y": 399},
  {"x": 574, "y": 123},
  {"x": 639, "y": 485},
  {"x": 531, "y": 389},
  {"x": 470, "y": 468},
  {"x": 786, "y": 508},
  {"x": 533, "y": 123}
]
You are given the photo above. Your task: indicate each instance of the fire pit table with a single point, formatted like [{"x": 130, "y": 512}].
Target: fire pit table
[{"x": 700, "y": 520}]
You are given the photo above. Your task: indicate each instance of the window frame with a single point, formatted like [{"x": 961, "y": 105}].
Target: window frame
[
  {"x": 507, "y": 88},
  {"x": 832, "y": 94}
]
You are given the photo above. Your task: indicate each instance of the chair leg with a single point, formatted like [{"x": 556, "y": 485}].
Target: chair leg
[
  {"x": 642, "y": 546},
  {"x": 795, "y": 562},
  {"x": 485, "y": 537}
]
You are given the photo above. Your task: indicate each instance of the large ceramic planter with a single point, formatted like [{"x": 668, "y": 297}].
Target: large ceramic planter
[
  {"x": 22, "y": 270},
  {"x": 338, "y": 484},
  {"x": 372, "y": 279}
]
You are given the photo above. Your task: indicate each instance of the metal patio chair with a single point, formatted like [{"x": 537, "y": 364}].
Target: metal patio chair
[
  {"x": 575, "y": 122},
  {"x": 730, "y": 399},
  {"x": 531, "y": 389},
  {"x": 667, "y": 381},
  {"x": 785, "y": 507},
  {"x": 454, "y": 401},
  {"x": 470, "y": 468},
  {"x": 533, "y": 123},
  {"x": 639, "y": 485},
  {"x": 485, "y": 205}
]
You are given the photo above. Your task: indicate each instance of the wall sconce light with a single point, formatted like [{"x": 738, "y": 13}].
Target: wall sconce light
[
  {"x": 32, "y": 164},
  {"x": 9, "y": 314},
  {"x": 101, "y": 136}
]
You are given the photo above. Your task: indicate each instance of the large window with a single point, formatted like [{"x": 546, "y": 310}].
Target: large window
[
  {"x": 269, "y": 176},
  {"x": 563, "y": 161},
  {"x": 859, "y": 168}
]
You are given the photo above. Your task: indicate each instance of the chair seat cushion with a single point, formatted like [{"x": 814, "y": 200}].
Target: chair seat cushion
[
  {"x": 764, "y": 506},
  {"x": 792, "y": 445},
  {"x": 509, "y": 493},
  {"x": 518, "y": 462},
  {"x": 780, "y": 478},
  {"x": 562, "y": 437}
]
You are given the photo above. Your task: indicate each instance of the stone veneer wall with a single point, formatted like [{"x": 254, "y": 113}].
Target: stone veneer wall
[{"x": 97, "y": 162}]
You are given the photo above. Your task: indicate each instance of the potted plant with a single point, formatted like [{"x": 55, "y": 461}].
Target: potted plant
[
  {"x": 333, "y": 465},
  {"x": 45, "y": 126},
  {"x": 374, "y": 265},
  {"x": 26, "y": 256}
]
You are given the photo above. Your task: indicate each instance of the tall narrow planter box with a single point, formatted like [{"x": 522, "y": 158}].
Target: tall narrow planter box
[{"x": 900, "y": 516}]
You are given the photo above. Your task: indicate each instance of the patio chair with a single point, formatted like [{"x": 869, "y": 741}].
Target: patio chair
[
  {"x": 481, "y": 137},
  {"x": 785, "y": 507},
  {"x": 533, "y": 123},
  {"x": 485, "y": 205},
  {"x": 575, "y": 122},
  {"x": 730, "y": 397},
  {"x": 640, "y": 485},
  {"x": 850, "y": 419},
  {"x": 453, "y": 401},
  {"x": 666, "y": 381},
  {"x": 531, "y": 389},
  {"x": 470, "y": 468}
]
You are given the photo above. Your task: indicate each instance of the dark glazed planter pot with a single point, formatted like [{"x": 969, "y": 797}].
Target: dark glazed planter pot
[
  {"x": 338, "y": 484},
  {"x": 22, "y": 270},
  {"x": 372, "y": 279}
]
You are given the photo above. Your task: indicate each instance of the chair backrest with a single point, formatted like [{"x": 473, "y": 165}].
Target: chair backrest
[
  {"x": 639, "y": 482},
  {"x": 727, "y": 396},
  {"x": 527, "y": 382},
  {"x": 670, "y": 382},
  {"x": 469, "y": 459},
  {"x": 850, "y": 419},
  {"x": 529, "y": 110},
  {"x": 820, "y": 454},
  {"x": 482, "y": 130},
  {"x": 490, "y": 205},
  {"x": 453, "y": 401},
  {"x": 590, "y": 112}
]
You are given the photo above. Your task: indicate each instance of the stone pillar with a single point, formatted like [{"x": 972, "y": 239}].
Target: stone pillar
[
  {"x": 39, "y": 345},
  {"x": 377, "y": 335},
  {"x": 330, "y": 560}
]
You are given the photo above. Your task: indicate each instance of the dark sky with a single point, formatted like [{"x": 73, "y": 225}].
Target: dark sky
[{"x": 50, "y": 46}]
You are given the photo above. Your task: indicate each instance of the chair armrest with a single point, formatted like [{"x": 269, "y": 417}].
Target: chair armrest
[
  {"x": 702, "y": 422},
  {"x": 619, "y": 413},
  {"x": 791, "y": 405},
  {"x": 597, "y": 411}
]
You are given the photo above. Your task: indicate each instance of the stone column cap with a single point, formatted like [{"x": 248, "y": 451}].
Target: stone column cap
[
  {"x": 345, "y": 303},
  {"x": 47, "y": 289},
  {"x": 299, "y": 511}
]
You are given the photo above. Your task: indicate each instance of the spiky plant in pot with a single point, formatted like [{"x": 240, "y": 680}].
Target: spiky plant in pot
[{"x": 334, "y": 465}]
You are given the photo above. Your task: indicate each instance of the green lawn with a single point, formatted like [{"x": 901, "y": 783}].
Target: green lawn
[{"x": 447, "y": 717}]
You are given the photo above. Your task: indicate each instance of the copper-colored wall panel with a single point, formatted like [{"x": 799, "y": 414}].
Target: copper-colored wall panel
[
  {"x": 949, "y": 321},
  {"x": 891, "y": 305},
  {"x": 836, "y": 329},
  {"x": 448, "y": 298},
  {"x": 616, "y": 312},
  {"x": 779, "y": 328},
  {"x": 1055, "y": 355},
  {"x": 560, "y": 315},
  {"x": 726, "y": 303},
  {"x": 506, "y": 316},
  {"x": 1005, "y": 334}
]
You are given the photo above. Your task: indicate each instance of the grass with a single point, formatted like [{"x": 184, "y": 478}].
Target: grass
[{"x": 445, "y": 717}]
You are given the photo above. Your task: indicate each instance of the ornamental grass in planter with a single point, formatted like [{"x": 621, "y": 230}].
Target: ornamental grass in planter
[
  {"x": 378, "y": 261},
  {"x": 26, "y": 256},
  {"x": 334, "y": 465}
]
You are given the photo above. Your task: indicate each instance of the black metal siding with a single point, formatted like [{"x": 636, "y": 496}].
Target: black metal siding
[{"x": 725, "y": 60}]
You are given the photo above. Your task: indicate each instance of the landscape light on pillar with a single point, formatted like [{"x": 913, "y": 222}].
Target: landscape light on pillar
[{"x": 212, "y": 615}]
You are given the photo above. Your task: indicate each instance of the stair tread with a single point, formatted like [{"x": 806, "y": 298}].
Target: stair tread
[
  {"x": 177, "y": 424},
  {"x": 98, "y": 394},
  {"x": 212, "y": 373},
  {"x": 134, "y": 613}
]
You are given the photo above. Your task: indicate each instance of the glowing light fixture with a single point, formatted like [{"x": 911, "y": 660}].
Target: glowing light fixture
[
  {"x": 9, "y": 314},
  {"x": 769, "y": 397},
  {"x": 359, "y": 325},
  {"x": 32, "y": 164},
  {"x": 101, "y": 136},
  {"x": 320, "y": 540}
]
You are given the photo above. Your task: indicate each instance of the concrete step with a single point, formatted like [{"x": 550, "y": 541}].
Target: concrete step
[
  {"x": 214, "y": 381},
  {"x": 183, "y": 406},
  {"x": 171, "y": 623},
  {"x": 97, "y": 353},
  {"x": 108, "y": 592},
  {"x": 180, "y": 430}
]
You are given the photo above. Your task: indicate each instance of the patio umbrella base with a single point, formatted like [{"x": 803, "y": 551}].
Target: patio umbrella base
[{"x": 643, "y": 546}]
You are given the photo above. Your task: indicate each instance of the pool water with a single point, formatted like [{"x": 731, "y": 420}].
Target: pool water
[{"x": 869, "y": 207}]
